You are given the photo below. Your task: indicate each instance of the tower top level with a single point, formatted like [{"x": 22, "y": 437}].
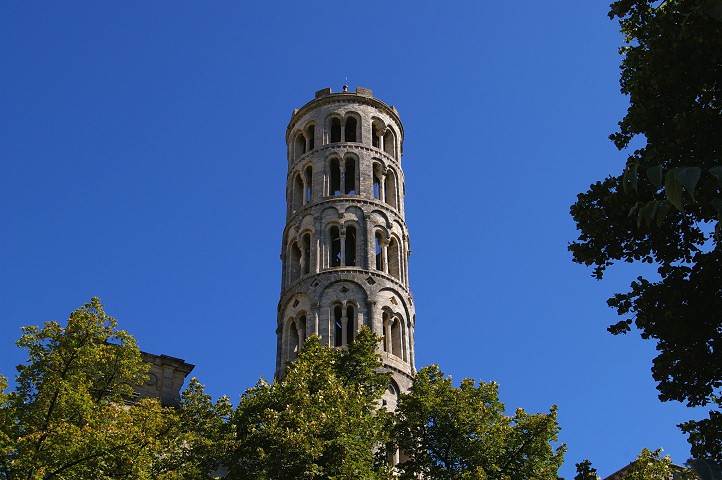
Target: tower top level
[
  {"x": 326, "y": 95},
  {"x": 345, "y": 246}
]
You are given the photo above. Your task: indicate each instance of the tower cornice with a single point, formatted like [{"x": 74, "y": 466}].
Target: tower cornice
[{"x": 326, "y": 97}]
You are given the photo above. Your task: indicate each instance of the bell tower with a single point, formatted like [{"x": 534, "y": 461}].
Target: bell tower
[{"x": 345, "y": 246}]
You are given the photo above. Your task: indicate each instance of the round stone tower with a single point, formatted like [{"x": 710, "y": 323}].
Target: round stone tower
[{"x": 346, "y": 245}]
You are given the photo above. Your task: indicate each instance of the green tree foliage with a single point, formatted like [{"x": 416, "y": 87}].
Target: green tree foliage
[
  {"x": 651, "y": 465},
  {"x": 462, "y": 433},
  {"x": 200, "y": 437},
  {"x": 667, "y": 203},
  {"x": 585, "y": 471},
  {"x": 67, "y": 417},
  {"x": 321, "y": 421}
]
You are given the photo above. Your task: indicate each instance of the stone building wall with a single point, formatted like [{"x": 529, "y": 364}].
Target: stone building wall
[{"x": 166, "y": 377}]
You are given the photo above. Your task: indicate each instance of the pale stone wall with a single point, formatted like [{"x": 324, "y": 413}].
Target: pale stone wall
[{"x": 166, "y": 376}]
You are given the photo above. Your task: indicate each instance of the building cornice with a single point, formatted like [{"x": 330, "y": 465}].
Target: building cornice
[{"x": 326, "y": 97}]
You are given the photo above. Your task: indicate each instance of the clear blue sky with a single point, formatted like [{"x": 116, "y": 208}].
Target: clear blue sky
[{"x": 142, "y": 160}]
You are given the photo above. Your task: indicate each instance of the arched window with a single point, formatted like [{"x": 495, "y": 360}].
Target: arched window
[
  {"x": 377, "y": 181},
  {"x": 390, "y": 188},
  {"x": 301, "y": 328},
  {"x": 350, "y": 321},
  {"x": 378, "y": 241},
  {"x": 311, "y": 133},
  {"x": 396, "y": 337},
  {"x": 335, "y": 184},
  {"x": 335, "y": 130},
  {"x": 390, "y": 400},
  {"x": 350, "y": 130},
  {"x": 295, "y": 264},
  {"x": 293, "y": 341},
  {"x": 394, "y": 257},
  {"x": 350, "y": 246},
  {"x": 300, "y": 146},
  {"x": 343, "y": 321},
  {"x": 306, "y": 254},
  {"x": 338, "y": 325},
  {"x": 297, "y": 194},
  {"x": 308, "y": 177},
  {"x": 389, "y": 142},
  {"x": 335, "y": 260},
  {"x": 375, "y": 135},
  {"x": 350, "y": 174},
  {"x": 386, "y": 339}
]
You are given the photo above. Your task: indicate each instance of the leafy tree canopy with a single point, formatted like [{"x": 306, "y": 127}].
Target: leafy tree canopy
[
  {"x": 453, "y": 433},
  {"x": 585, "y": 471},
  {"x": 649, "y": 465},
  {"x": 665, "y": 205},
  {"x": 199, "y": 437},
  {"x": 323, "y": 420},
  {"x": 67, "y": 416},
  {"x": 70, "y": 416}
]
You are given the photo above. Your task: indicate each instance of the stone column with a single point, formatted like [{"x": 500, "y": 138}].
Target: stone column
[
  {"x": 358, "y": 321},
  {"x": 344, "y": 326},
  {"x": 385, "y": 255},
  {"x": 374, "y": 320},
  {"x": 370, "y": 245},
  {"x": 314, "y": 318},
  {"x": 324, "y": 329},
  {"x": 300, "y": 334},
  {"x": 342, "y": 239},
  {"x": 407, "y": 252},
  {"x": 342, "y": 169},
  {"x": 410, "y": 340},
  {"x": 304, "y": 259},
  {"x": 318, "y": 264},
  {"x": 405, "y": 341},
  {"x": 382, "y": 185}
]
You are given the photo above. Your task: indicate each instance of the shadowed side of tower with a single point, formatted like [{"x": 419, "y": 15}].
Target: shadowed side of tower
[{"x": 345, "y": 246}]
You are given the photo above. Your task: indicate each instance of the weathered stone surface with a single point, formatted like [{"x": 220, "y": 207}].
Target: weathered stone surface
[
  {"x": 345, "y": 246},
  {"x": 166, "y": 377}
]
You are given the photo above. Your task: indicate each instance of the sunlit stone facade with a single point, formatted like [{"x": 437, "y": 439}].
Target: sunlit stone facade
[{"x": 345, "y": 246}]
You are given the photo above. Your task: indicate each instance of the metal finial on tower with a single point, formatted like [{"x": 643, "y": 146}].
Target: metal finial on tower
[{"x": 345, "y": 85}]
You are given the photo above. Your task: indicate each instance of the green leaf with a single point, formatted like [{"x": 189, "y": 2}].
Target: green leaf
[
  {"x": 653, "y": 209},
  {"x": 655, "y": 175},
  {"x": 662, "y": 211},
  {"x": 630, "y": 177},
  {"x": 673, "y": 189},
  {"x": 641, "y": 215},
  {"x": 717, "y": 172},
  {"x": 633, "y": 175},
  {"x": 717, "y": 204},
  {"x": 688, "y": 176},
  {"x": 647, "y": 213}
]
